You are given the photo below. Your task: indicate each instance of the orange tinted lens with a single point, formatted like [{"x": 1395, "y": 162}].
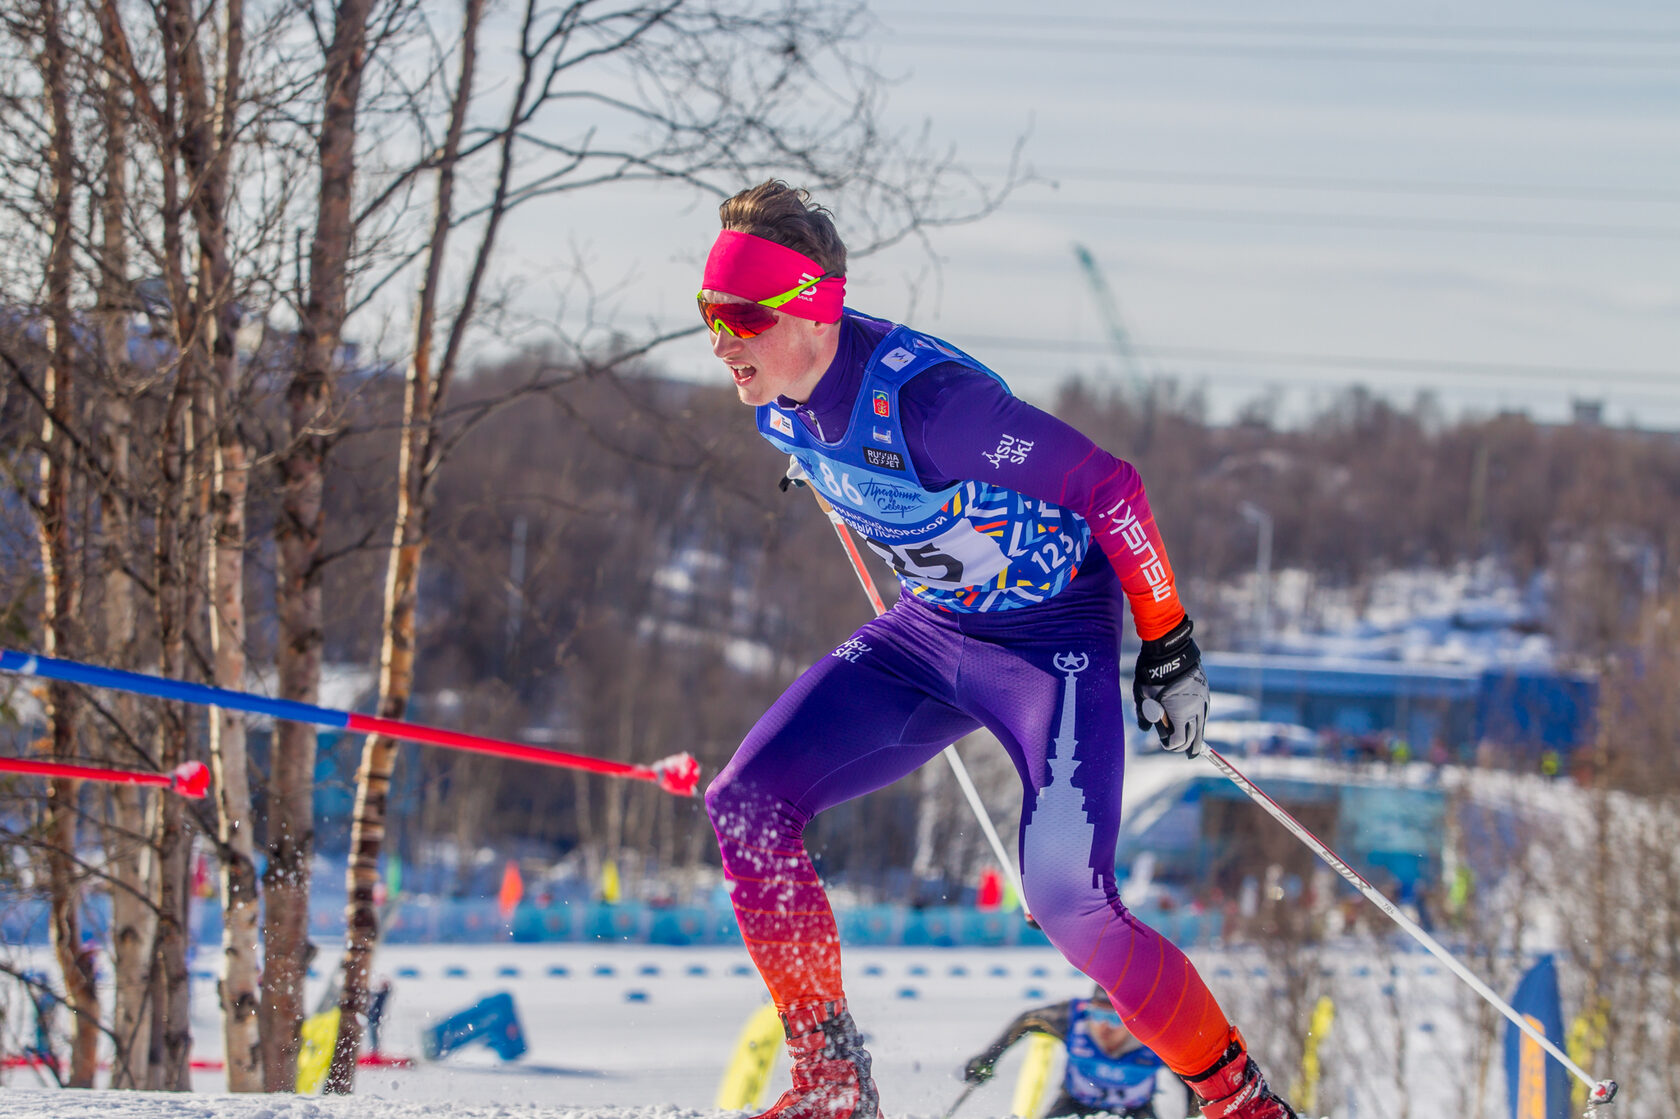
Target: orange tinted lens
[{"x": 744, "y": 320}]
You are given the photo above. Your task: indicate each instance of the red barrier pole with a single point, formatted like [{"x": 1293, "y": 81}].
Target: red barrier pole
[
  {"x": 189, "y": 779},
  {"x": 678, "y": 774}
]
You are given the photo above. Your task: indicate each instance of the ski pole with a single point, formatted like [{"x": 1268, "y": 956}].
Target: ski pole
[
  {"x": 189, "y": 779},
  {"x": 1599, "y": 1092},
  {"x": 796, "y": 474},
  {"x": 678, "y": 774},
  {"x": 960, "y": 1100}
]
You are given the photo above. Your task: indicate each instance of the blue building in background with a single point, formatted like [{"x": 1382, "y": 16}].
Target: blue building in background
[
  {"x": 1204, "y": 830},
  {"x": 1521, "y": 711}
]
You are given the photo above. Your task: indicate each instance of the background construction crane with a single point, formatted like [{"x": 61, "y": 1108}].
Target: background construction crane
[{"x": 1109, "y": 308}]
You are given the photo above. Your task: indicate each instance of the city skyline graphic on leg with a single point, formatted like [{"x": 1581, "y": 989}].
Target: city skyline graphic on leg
[{"x": 1059, "y": 800}]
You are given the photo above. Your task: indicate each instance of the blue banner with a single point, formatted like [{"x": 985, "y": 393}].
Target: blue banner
[{"x": 1537, "y": 1084}]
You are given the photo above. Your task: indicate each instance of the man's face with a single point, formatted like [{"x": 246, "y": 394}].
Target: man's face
[
  {"x": 786, "y": 360},
  {"x": 1111, "y": 1037}
]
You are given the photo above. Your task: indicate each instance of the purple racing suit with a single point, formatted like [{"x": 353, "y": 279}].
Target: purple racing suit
[{"x": 1043, "y": 676}]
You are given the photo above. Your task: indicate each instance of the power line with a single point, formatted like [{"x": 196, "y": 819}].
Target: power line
[
  {"x": 1393, "y": 31},
  {"x": 1373, "y": 364},
  {"x": 1357, "y": 221},
  {"x": 1304, "y": 53},
  {"x": 1146, "y": 176}
]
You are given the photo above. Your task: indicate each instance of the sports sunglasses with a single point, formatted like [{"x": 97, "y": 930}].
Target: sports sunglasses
[{"x": 749, "y": 320}]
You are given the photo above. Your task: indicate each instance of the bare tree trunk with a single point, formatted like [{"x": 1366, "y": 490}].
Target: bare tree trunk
[
  {"x": 174, "y": 549},
  {"x": 206, "y": 146},
  {"x": 302, "y": 472},
  {"x": 170, "y": 1068},
  {"x": 170, "y": 1063},
  {"x": 59, "y": 600},
  {"x": 298, "y": 532},
  {"x": 127, "y": 844},
  {"x": 228, "y": 758},
  {"x": 129, "y": 829},
  {"x": 396, "y": 661},
  {"x": 291, "y": 781}
]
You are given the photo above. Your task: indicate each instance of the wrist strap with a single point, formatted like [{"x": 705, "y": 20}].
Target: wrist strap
[{"x": 1170, "y": 642}]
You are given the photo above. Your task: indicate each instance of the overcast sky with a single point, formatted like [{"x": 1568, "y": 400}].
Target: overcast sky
[{"x": 1479, "y": 199}]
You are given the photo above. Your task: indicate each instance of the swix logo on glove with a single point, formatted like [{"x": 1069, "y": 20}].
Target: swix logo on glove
[{"x": 1161, "y": 671}]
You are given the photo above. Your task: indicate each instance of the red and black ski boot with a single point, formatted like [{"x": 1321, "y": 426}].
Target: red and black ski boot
[
  {"x": 830, "y": 1066},
  {"x": 1234, "y": 1088}
]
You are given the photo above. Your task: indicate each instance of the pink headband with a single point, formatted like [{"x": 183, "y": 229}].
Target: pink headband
[{"x": 755, "y": 268}]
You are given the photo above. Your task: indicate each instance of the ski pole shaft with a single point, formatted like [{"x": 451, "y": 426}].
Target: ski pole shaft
[
  {"x": 190, "y": 779},
  {"x": 849, "y": 542},
  {"x": 678, "y": 774},
  {"x": 1599, "y": 1091},
  {"x": 952, "y": 758},
  {"x": 960, "y": 1100}
]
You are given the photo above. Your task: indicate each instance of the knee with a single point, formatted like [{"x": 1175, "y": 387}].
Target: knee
[
  {"x": 743, "y": 808},
  {"x": 1073, "y": 908},
  {"x": 722, "y": 798}
]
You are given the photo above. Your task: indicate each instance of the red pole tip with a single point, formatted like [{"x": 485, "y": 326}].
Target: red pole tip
[
  {"x": 678, "y": 774},
  {"x": 191, "y": 779}
]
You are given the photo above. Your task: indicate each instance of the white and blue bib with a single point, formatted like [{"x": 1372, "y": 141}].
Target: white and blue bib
[{"x": 971, "y": 547}]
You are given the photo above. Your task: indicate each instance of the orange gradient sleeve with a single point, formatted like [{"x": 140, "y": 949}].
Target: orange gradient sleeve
[{"x": 1123, "y": 526}]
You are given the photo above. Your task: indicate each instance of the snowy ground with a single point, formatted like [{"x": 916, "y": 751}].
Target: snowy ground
[{"x": 652, "y": 1037}]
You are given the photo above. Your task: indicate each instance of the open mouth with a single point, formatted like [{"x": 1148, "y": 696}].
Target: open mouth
[{"x": 742, "y": 373}]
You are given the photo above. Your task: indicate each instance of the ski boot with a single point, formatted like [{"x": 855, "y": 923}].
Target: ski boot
[
  {"x": 830, "y": 1066},
  {"x": 1235, "y": 1089}
]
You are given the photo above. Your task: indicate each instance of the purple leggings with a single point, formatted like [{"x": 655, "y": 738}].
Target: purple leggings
[{"x": 1046, "y": 681}]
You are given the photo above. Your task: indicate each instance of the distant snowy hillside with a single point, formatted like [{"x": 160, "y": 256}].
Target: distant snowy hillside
[{"x": 1472, "y": 614}]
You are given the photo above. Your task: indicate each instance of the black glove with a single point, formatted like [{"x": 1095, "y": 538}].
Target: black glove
[
  {"x": 1171, "y": 691},
  {"x": 979, "y": 1070}
]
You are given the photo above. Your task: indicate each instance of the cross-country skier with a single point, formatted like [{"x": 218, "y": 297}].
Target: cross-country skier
[
  {"x": 1014, "y": 538},
  {"x": 1106, "y": 1071}
]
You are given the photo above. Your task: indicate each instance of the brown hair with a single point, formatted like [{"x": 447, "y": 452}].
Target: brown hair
[{"x": 780, "y": 213}]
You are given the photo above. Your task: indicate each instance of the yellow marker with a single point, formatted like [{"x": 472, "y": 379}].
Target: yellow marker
[
  {"x": 1032, "y": 1083},
  {"x": 1587, "y": 1035},
  {"x": 1306, "y": 1091},
  {"x": 749, "y": 1069},
  {"x": 319, "y": 1034}
]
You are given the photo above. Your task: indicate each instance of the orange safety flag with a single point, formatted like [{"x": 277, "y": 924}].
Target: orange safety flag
[{"x": 513, "y": 888}]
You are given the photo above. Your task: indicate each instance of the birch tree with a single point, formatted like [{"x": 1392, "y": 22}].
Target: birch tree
[
  {"x": 129, "y": 855},
  {"x": 325, "y": 306},
  {"x": 396, "y": 660},
  {"x": 60, "y": 600},
  {"x": 209, "y": 120}
]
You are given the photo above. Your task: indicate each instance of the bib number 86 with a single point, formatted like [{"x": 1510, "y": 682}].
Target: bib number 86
[{"x": 841, "y": 487}]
